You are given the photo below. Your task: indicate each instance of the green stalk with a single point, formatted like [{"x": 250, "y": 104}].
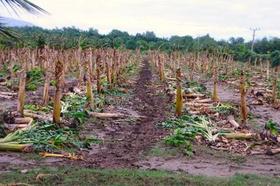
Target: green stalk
[
  {"x": 15, "y": 147},
  {"x": 10, "y": 137}
]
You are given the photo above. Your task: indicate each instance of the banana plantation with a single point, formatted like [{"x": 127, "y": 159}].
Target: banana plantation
[{"x": 81, "y": 108}]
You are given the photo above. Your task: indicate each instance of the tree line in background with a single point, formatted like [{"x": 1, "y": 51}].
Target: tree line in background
[{"x": 71, "y": 37}]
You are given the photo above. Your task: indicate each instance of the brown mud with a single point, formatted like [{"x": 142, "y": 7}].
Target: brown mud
[
  {"x": 210, "y": 162},
  {"x": 261, "y": 113}
]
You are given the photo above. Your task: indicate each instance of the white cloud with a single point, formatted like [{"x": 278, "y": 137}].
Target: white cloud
[{"x": 219, "y": 18}]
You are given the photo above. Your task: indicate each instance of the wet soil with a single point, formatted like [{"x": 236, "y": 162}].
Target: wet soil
[
  {"x": 210, "y": 162},
  {"x": 261, "y": 113}
]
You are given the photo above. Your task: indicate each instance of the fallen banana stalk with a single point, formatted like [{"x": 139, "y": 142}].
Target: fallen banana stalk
[
  {"x": 267, "y": 152},
  {"x": 273, "y": 151},
  {"x": 170, "y": 79},
  {"x": 232, "y": 121},
  {"x": 42, "y": 117},
  {"x": 228, "y": 130},
  {"x": 69, "y": 156},
  {"x": 27, "y": 120},
  {"x": 198, "y": 104},
  {"x": 8, "y": 93},
  {"x": 208, "y": 100},
  {"x": 20, "y": 123},
  {"x": 257, "y": 102},
  {"x": 193, "y": 95},
  {"x": 14, "y": 147},
  {"x": 14, "y": 127},
  {"x": 240, "y": 136},
  {"x": 6, "y": 96},
  {"x": 104, "y": 115},
  {"x": 249, "y": 147}
]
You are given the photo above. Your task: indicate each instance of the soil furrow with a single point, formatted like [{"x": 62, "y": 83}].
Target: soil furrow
[{"x": 124, "y": 146}]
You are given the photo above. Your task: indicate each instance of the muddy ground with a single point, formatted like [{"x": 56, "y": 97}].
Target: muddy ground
[
  {"x": 261, "y": 113},
  {"x": 136, "y": 141}
]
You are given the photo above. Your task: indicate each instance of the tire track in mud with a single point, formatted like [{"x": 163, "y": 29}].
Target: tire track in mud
[{"x": 125, "y": 144}]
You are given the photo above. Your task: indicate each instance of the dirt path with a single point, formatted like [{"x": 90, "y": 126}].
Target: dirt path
[{"x": 124, "y": 142}]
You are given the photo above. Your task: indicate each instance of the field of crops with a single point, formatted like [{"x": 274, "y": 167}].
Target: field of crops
[
  {"x": 200, "y": 113},
  {"x": 79, "y": 107}
]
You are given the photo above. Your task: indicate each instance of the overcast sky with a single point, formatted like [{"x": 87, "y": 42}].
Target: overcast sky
[{"x": 219, "y": 18}]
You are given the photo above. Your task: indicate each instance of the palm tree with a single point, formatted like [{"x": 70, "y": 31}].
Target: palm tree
[{"x": 15, "y": 5}]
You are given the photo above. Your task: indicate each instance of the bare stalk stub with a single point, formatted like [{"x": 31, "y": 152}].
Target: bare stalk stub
[
  {"x": 59, "y": 73},
  {"x": 179, "y": 94}
]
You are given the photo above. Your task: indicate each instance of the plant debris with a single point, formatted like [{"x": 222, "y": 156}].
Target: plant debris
[{"x": 45, "y": 136}]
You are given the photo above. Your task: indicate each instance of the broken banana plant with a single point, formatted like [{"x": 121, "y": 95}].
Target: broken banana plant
[
  {"x": 215, "y": 97},
  {"x": 109, "y": 73},
  {"x": 243, "y": 102},
  {"x": 161, "y": 68},
  {"x": 59, "y": 73},
  {"x": 274, "y": 86},
  {"x": 89, "y": 76},
  {"x": 179, "y": 94},
  {"x": 80, "y": 66},
  {"x": 21, "y": 91},
  {"x": 69, "y": 156},
  {"x": 46, "y": 84},
  {"x": 113, "y": 69},
  {"x": 98, "y": 73}
]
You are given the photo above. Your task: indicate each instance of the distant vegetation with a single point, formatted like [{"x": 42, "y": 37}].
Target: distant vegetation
[{"x": 36, "y": 37}]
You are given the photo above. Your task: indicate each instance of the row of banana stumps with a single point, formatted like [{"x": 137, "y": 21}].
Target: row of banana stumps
[{"x": 13, "y": 122}]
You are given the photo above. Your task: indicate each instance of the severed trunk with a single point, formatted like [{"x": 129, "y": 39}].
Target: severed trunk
[
  {"x": 46, "y": 84},
  {"x": 117, "y": 70},
  {"x": 274, "y": 86},
  {"x": 21, "y": 91},
  {"x": 243, "y": 101},
  {"x": 109, "y": 73},
  {"x": 267, "y": 70},
  {"x": 179, "y": 94},
  {"x": 215, "y": 97},
  {"x": 46, "y": 89},
  {"x": 113, "y": 72},
  {"x": 162, "y": 71},
  {"x": 59, "y": 73},
  {"x": 89, "y": 76},
  {"x": 191, "y": 69},
  {"x": 80, "y": 67},
  {"x": 98, "y": 73}
]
